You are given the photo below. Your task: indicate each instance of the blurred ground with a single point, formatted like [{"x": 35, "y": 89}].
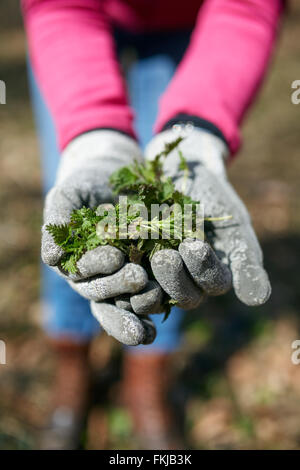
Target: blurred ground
[{"x": 235, "y": 380}]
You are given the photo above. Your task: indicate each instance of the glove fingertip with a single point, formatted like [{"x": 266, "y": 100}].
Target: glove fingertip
[
  {"x": 149, "y": 300},
  {"x": 252, "y": 286},
  {"x": 121, "y": 324},
  {"x": 101, "y": 260},
  {"x": 168, "y": 269}
]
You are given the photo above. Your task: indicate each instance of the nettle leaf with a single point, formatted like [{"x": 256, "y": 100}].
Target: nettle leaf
[
  {"x": 69, "y": 264},
  {"x": 123, "y": 178},
  {"x": 170, "y": 146},
  {"x": 92, "y": 241},
  {"x": 60, "y": 233},
  {"x": 167, "y": 190},
  {"x": 168, "y": 307},
  {"x": 183, "y": 166}
]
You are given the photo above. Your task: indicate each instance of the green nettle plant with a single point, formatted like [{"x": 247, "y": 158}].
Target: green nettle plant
[{"x": 143, "y": 184}]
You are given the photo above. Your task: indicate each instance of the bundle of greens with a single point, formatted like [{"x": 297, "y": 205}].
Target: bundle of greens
[{"x": 142, "y": 183}]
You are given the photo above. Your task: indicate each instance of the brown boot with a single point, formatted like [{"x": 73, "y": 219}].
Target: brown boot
[
  {"x": 70, "y": 396},
  {"x": 146, "y": 381}
]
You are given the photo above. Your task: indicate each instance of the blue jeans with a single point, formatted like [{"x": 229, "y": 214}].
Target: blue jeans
[{"x": 66, "y": 314}]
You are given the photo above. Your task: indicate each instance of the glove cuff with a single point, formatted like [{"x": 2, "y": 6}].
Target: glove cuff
[
  {"x": 198, "y": 122},
  {"x": 198, "y": 144},
  {"x": 106, "y": 146}
]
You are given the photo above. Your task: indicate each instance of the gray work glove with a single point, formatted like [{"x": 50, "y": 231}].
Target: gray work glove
[
  {"x": 196, "y": 269},
  {"x": 82, "y": 180}
]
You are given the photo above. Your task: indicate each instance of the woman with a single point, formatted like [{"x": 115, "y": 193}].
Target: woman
[{"x": 204, "y": 62}]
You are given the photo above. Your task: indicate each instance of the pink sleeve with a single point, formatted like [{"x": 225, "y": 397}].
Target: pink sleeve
[
  {"x": 224, "y": 64},
  {"x": 73, "y": 56}
]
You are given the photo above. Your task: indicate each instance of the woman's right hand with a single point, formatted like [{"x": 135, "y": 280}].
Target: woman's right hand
[{"x": 103, "y": 275}]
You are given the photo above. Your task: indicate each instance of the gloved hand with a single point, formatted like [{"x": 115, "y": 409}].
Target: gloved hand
[
  {"x": 236, "y": 259},
  {"x": 82, "y": 179}
]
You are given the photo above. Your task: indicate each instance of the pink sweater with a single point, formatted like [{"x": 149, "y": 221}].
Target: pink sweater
[{"x": 72, "y": 50}]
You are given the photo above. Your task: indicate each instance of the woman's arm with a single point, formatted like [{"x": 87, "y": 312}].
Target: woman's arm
[
  {"x": 224, "y": 64},
  {"x": 73, "y": 56}
]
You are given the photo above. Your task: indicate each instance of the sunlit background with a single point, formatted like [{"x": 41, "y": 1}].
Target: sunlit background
[{"x": 234, "y": 379}]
